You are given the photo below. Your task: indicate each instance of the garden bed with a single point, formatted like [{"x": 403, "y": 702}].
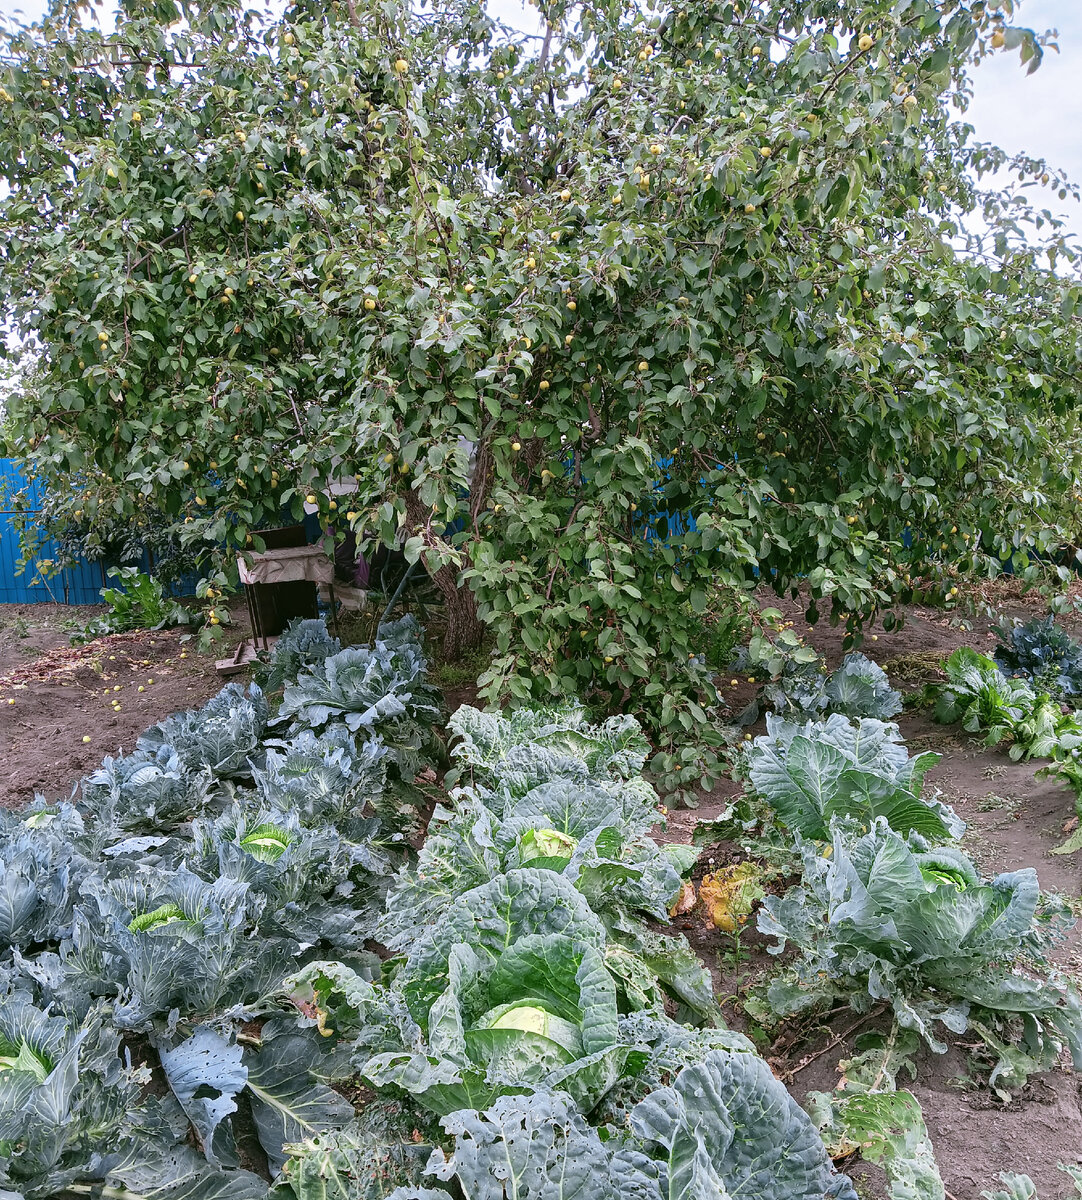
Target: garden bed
[{"x": 1014, "y": 820}]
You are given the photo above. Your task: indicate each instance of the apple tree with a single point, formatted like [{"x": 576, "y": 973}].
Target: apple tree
[{"x": 606, "y": 326}]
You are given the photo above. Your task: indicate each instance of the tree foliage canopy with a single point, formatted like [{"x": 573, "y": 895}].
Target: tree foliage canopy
[{"x": 539, "y": 294}]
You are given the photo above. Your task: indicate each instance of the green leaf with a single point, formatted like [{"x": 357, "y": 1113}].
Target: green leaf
[{"x": 289, "y": 1101}]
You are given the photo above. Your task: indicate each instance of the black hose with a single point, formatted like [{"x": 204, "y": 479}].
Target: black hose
[{"x": 398, "y": 591}]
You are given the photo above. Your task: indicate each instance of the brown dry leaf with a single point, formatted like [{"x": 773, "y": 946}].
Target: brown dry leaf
[{"x": 685, "y": 900}]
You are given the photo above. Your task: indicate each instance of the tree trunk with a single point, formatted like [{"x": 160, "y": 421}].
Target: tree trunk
[{"x": 464, "y": 629}]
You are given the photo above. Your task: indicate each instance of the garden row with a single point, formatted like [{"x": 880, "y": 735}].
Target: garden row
[{"x": 226, "y": 972}]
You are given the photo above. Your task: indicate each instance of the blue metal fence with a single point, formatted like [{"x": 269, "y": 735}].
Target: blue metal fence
[{"x": 80, "y": 583}]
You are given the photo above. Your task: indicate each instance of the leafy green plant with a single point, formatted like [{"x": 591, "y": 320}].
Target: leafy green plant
[
  {"x": 1043, "y": 652},
  {"x": 164, "y": 905},
  {"x": 860, "y": 688},
  {"x": 811, "y": 773},
  {"x": 1069, "y": 772},
  {"x": 42, "y": 864},
  {"x": 792, "y": 673},
  {"x": 147, "y": 791},
  {"x": 724, "y": 1127},
  {"x": 540, "y": 1013},
  {"x": 303, "y": 645},
  {"x": 980, "y": 697},
  {"x": 325, "y": 777},
  {"x": 888, "y": 1128},
  {"x": 138, "y": 602},
  {"x": 868, "y": 1112},
  {"x": 321, "y": 885},
  {"x": 66, "y": 1098},
  {"x": 620, "y": 872},
  {"x": 526, "y": 748},
  {"x": 1046, "y": 731},
  {"x": 1021, "y": 1187},
  {"x": 375, "y": 691},
  {"x": 224, "y": 736},
  {"x": 798, "y": 685},
  {"x": 881, "y": 919}
]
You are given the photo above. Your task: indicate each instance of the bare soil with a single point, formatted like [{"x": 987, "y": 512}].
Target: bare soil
[{"x": 53, "y": 694}]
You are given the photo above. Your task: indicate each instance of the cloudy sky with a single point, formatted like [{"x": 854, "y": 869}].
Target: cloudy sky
[{"x": 1040, "y": 113}]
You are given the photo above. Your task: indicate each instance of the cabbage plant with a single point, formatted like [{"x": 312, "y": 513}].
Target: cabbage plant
[
  {"x": 222, "y": 736},
  {"x": 860, "y": 688},
  {"x": 302, "y": 644},
  {"x": 541, "y": 1012},
  {"x": 157, "y": 940},
  {"x": 724, "y": 1128},
  {"x": 526, "y": 748},
  {"x": 66, "y": 1098},
  {"x": 375, "y": 691},
  {"x": 323, "y": 777},
  {"x": 884, "y": 919},
  {"x": 1044, "y": 652},
  {"x": 813, "y": 772},
  {"x": 41, "y": 866},
  {"x": 148, "y": 791}
]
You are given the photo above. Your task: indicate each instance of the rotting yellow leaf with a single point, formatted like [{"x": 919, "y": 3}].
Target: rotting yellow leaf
[{"x": 728, "y": 896}]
